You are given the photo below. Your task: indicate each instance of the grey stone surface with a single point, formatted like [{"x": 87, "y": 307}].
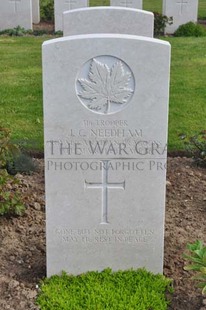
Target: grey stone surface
[
  {"x": 87, "y": 20},
  {"x": 61, "y": 6},
  {"x": 105, "y": 119},
  {"x": 182, "y": 11},
  {"x": 35, "y": 11},
  {"x": 15, "y": 13},
  {"x": 137, "y": 4}
]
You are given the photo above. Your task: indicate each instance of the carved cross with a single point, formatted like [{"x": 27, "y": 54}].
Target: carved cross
[
  {"x": 15, "y": 4},
  {"x": 70, "y": 3},
  {"x": 182, "y": 2},
  {"x": 126, "y": 2},
  {"x": 104, "y": 186}
]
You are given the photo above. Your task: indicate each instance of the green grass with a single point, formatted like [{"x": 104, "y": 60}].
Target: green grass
[
  {"x": 21, "y": 89},
  {"x": 202, "y": 9},
  {"x": 99, "y": 2},
  {"x": 187, "y": 90},
  {"x": 152, "y": 5},
  {"x": 122, "y": 290}
]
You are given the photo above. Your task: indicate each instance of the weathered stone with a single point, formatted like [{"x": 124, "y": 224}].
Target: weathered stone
[
  {"x": 105, "y": 119},
  {"x": 137, "y": 4},
  {"x": 61, "y": 6},
  {"x": 15, "y": 13},
  {"x": 35, "y": 11},
  {"x": 87, "y": 20},
  {"x": 182, "y": 11}
]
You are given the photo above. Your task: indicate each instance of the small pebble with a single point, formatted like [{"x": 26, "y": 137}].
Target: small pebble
[{"x": 37, "y": 206}]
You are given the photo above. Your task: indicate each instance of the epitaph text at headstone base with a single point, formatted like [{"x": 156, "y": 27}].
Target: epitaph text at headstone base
[
  {"x": 182, "y": 12},
  {"x": 105, "y": 110},
  {"x": 60, "y": 6},
  {"x": 137, "y": 4},
  {"x": 134, "y": 22},
  {"x": 35, "y": 11},
  {"x": 15, "y": 13}
]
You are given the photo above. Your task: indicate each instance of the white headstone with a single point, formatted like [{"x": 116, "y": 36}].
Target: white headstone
[
  {"x": 87, "y": 20},
  {"x": 15, "y": 13},
  {"x": 105, "y": 119},
  {"x": 137, "y": 4},
  {"x": 182, "y": 11},
  {"x": 35, "y": 11},
  {"x": 61, "y": 6}
]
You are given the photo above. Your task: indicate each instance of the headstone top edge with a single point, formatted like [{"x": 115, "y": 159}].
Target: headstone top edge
[
  {"x": 108, "y": 8},
  {"x": 105, "y": 36}
]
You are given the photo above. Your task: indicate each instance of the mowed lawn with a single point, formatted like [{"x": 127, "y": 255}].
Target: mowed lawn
[
  {"x": 187, "y": 88},
  {"x": 21, "y": 89}
]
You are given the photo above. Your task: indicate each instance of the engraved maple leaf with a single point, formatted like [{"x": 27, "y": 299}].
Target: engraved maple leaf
[{"x": 105, "y": 86}]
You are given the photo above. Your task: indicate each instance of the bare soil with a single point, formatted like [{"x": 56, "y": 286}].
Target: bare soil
[
  {"x": 47, "y": 26},
  {"x": 22, "y": 239}
]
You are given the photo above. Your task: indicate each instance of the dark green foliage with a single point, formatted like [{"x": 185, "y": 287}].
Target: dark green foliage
[
  {"x": 7, "y": 148},
  {"x": 197, "y": 258},
  {"x": 196, "y": 146},
  {"x": 10, "y": 201},
  {"x": 122, "y": 290},
  {"x": 160, "y": 22},
  {"x": 190, "y": 30},
  {"x": 21, "y": 163},
  {"x": 47, "y": 10},
  {"x": 17, "y": 32},
  {"x": 11, "y": 157},
  {"x": 21, "y": 32},
  {"x": 59, "y": 33}
]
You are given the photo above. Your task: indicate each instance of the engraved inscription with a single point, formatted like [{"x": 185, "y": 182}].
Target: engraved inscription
[
  {"x": 104, "y": 186},
  {"x": 105, "y": 85},
  {"x": 182, "y": 3},
  {"x": 70, "y": 3},
  {"x": 16, "y": 2},
  {"x": 138, "y": 166},
  {"x": 126, "y": 3},
  {"x": 108, "y": 236},
  {"x": 103, "y": 123}
]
